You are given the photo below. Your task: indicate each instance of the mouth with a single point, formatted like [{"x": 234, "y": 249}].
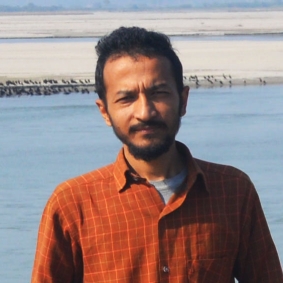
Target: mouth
[
  {"x": 148, "y": 130},
  {"x": 148, "y": 127}
]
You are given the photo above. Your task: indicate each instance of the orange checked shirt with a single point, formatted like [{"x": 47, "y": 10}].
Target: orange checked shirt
[{"x": 110, "y": 225}]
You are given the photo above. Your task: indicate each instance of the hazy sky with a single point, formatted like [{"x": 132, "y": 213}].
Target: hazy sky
[
  {"x": 89, "y": 2},
  {"x": 69, "y": 3}
]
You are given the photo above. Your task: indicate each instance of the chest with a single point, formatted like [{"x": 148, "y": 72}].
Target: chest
[{"x": 128, "y": 235}]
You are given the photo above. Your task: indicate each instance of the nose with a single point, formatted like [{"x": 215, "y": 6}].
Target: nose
[{"x": 144, "y": 108}]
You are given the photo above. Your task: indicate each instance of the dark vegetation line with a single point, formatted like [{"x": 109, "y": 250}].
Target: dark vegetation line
[
  {"x": 12, "y": 88},
  {"x": 46, "y": 87}
]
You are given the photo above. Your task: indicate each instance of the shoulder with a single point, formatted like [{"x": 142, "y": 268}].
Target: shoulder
[
  {"x": 226, "y": 180},
  {"x": 231, "y": 188},
  {"x": 221, "y": 170},
  {"x": 71, "y": 200},
  {"x": 77, "y": 189},
  {"x": 91, "y": 178},
  {"x": 213, "y": 171}
]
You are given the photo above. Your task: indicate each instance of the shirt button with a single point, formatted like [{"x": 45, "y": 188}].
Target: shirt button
[{"x": 165, "y": 269}]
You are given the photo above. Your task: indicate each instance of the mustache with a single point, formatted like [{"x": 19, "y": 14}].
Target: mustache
[{"x": 151, "y": 123}]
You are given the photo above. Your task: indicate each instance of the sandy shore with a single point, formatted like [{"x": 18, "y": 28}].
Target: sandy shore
[
  {"x": 172, "y": 23},
  {"x": 246, "y": 60}
]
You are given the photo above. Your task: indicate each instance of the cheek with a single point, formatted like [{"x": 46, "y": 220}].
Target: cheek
[
  {"x": 120, "y": 118},
  {"x": 168, "y": 110}
]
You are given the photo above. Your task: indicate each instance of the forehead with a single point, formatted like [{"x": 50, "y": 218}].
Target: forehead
[{"x": 124, "y": 67}]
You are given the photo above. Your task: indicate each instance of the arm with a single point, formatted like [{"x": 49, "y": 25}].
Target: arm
[
  {"x": 57, "y": 257},
  {"x": 257, "y": 260}
]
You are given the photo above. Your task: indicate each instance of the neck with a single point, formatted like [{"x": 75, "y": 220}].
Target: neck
[{"x": 165, "y": 166}]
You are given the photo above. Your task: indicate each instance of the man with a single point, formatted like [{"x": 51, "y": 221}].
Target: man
[{"x": 157, "y": 214}]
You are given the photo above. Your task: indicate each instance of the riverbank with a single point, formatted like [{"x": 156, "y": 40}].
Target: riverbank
[
  {"x": 248, "y": 60},
  {"x": 185, "y": 22}
]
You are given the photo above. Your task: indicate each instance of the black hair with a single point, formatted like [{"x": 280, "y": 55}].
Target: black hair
[{"x": 135, "y": 41}]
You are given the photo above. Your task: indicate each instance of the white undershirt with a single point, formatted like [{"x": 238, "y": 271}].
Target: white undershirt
[{"x": 169, "y": 186}]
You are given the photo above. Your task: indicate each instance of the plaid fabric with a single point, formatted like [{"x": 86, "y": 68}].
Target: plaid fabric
[{"x": 112, "y": 226}]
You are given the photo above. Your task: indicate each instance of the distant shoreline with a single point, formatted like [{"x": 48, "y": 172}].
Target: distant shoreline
[
  {"x": 71, "y": 11},
  {"x": 180, "y": 22},
  {"x": 195, "y": 36},
  {"x": 56, "y": 85},
  {"x": 249, "y": 62}
]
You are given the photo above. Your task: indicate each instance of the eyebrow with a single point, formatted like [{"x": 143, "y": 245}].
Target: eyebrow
[
  {"x": 158, "y": 86},
  {"x": 124, "y": 92},
  {"x": 151, "y": 88}
]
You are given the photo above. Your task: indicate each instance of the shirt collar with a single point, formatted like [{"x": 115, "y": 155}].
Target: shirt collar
[
  {"x": 120, "y": 171},
  {"x": 123, "y": 174},
  {"x": 194, "y": 170}
]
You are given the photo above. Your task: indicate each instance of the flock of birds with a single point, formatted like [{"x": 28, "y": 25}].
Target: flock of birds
[
  {"x": 12, "y": 88},
  {"x": 211, "y": 80},
  {"x": 224, "y": 80}
]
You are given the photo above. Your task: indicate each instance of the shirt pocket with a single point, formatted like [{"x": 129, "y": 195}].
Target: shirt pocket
[
  {"x": 211, "y": 241},
  {"x": 213, "y": 270}
]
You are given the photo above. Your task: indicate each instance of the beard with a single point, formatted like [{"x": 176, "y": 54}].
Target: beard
[{"x": 157, "y": 146}]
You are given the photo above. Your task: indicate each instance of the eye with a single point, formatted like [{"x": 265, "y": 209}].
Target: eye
[
  {"x": 126, "y": 98},
  {"x": 160, "y": 92}
]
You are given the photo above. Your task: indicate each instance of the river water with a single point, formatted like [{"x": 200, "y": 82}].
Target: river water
[{"x": 45, "y": 140}]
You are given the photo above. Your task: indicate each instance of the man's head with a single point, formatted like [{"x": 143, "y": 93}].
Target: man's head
[
  {"x": 134, "y": 41},
  {"x": 140, "y": 95}
]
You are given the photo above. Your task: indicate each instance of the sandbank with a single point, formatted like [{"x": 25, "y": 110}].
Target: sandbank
[{"x": 248, "y": 60}]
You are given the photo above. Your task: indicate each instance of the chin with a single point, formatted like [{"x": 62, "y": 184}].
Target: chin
[{"x": 150, "y": 151}]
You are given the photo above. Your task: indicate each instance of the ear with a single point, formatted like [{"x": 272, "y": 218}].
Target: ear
[
  {"x": 184, "y": 97},
  {"x": 103, "y": 111}
]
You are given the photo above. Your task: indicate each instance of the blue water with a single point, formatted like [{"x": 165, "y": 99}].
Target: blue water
[
  {"x": 45, "y": 140},
  {"x": 232, "y": 37},
  {"x": 48, "y": 40}
]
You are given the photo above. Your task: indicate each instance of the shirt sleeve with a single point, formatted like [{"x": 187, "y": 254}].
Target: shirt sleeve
[
  {"x": 257, "y": 260},
  {"x": 57, "y": 257}
]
